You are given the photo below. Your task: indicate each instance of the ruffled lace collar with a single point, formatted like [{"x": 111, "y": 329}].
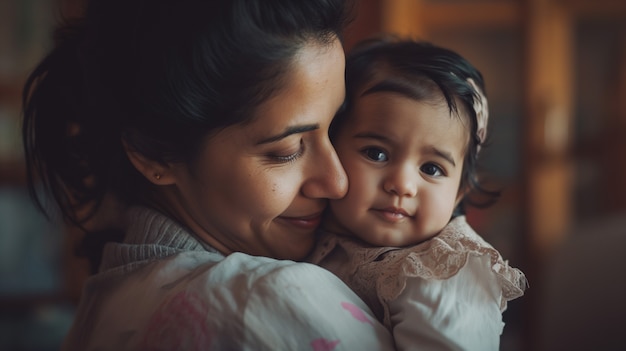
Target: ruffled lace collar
[{"x": 440, "y": 257}]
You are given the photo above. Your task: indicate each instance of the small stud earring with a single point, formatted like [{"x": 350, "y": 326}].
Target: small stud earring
[{"x": 157, "y": 176}]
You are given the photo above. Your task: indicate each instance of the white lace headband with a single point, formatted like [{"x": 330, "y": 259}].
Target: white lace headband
[{"x": 482, "y": 113}]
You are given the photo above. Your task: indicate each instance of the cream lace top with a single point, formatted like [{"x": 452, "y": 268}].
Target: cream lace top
[{"x": 447, "y": 292}]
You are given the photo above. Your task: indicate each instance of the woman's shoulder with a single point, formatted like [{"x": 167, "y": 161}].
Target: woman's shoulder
[
  {"x": 265, "y": 297},
  {"x": 242, "y": 278},
  {"x": 259, "y": 270},
  {"x": 236, "y": 302}
]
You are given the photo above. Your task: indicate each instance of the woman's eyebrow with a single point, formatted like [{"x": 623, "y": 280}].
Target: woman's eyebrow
[{"x": 289, "y": 131}]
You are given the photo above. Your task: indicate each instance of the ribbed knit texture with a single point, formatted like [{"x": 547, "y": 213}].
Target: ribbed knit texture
[{"x": 150, "y": 235}]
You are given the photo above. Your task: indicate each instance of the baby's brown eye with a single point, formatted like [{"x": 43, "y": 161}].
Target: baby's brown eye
[
  {"x": 432, "y": 169},
  {"x": 375, "y": 154}
]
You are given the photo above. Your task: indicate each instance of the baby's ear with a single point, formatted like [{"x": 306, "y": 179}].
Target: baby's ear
[{"x": 156, "y": 172}]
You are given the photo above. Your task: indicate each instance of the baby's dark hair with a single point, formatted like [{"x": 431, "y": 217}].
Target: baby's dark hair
[{"x": 423, "y": 72}]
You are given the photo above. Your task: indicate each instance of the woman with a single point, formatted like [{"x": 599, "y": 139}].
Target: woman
[{"x": 208, "y": 121}]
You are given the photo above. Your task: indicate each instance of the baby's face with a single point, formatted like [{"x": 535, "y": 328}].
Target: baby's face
[{"x": 404, "y": 160}]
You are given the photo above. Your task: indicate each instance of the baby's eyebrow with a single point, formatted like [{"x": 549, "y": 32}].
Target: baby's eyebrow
[
  {"x": 289, "y": 131},
  {"x": 443, "y": 154},
  {"x": 394, "y": 86},
  {"x": 372, "y": 135}
]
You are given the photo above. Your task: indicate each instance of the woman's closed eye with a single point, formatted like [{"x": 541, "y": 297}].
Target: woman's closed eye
[
  {"x": 288, "y": 156},
  {"x": 432, "y": 170},
  {"x": 375, "y": 154}
]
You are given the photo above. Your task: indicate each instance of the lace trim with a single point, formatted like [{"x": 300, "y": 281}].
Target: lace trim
[{"x": 441, "y": 257}]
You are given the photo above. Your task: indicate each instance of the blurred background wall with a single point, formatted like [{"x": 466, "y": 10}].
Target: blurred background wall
[{"x": 555, "y": 73}]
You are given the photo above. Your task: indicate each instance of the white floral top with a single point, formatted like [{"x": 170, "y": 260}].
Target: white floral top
[
  {"x": 164, "y": 290},
  {"x": 447, "y": 293}
]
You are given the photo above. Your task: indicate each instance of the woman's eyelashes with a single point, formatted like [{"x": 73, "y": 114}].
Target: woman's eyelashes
[{"x": 289, "y": 156}]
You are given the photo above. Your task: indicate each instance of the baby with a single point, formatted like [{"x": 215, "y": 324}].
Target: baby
[{"x": 413, "y": 123}]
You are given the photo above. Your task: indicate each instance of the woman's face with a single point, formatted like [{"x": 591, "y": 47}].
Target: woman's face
[{"x": 260, "y": 187}]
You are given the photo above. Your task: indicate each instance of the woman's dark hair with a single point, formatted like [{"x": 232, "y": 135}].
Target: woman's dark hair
[
  {"x": 423, "y": 72},
  {"x": 159, "y": 76}
]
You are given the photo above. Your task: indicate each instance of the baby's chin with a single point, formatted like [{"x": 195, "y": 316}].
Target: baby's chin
[{"x": 394, "y": 238}]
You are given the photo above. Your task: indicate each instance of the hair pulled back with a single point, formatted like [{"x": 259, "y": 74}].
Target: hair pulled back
[
  {"x": 423, "y": 72},
  {"x": 158, "y": 75}
]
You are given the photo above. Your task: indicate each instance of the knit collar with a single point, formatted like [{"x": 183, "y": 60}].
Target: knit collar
[{"x": 150, "y": 235}]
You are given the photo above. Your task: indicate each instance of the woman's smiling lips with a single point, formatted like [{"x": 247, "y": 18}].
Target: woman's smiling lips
[
  {"x": 392, "y": 214},
  {"x": 304, "y": 222}
]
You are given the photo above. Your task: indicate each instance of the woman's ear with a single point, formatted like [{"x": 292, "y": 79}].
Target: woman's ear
[{"x": 156, "y": 172}]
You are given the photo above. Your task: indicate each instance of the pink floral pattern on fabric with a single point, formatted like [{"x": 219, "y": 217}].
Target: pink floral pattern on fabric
[
  {"x": 356, "y": 312},
  {"x": 178, "y": 324},
  {"x": 322, "y": 344}
]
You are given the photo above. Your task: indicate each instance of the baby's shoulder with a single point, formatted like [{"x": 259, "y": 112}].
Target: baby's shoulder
[{"x": 456, "y": 250}]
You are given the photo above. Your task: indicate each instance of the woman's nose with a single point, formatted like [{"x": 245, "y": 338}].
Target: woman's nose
[
  {"x": 328, "y": 179},
  {"x": 402, "y": 181}
]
